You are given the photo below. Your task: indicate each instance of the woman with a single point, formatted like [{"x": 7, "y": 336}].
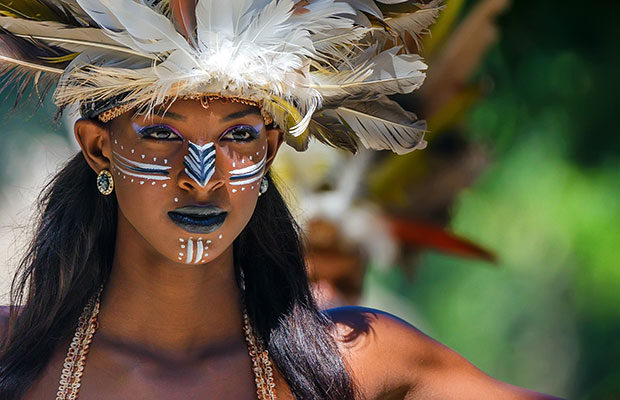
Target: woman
[{"x": 166, "y": 264}]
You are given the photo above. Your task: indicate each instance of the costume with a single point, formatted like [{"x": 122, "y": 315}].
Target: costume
[
  {"x": 320, "y": 68},
  {"x": 316, "y": 68}
]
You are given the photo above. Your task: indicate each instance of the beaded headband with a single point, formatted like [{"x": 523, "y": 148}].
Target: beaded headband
[{"x": 205, "y": 99}]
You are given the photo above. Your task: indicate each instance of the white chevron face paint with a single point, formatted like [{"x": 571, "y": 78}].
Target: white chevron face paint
[
  {"x": 249, "y": 174},
  {"x": 200, "y": 162},
  {"x": 140, "y": 170}
]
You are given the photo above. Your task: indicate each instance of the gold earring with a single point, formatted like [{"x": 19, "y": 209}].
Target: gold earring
[{"x": 105, "y": 182}]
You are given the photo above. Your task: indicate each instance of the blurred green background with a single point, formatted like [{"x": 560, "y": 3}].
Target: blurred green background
[{"x": 547, "y": 317}]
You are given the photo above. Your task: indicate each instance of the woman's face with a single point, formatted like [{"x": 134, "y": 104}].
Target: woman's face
[{"x": 188, "y": 179}]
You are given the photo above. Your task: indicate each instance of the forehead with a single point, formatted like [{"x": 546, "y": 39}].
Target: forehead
[{"x": 194, "y": 111}]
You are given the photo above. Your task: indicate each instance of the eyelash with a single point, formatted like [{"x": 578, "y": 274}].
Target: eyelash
[
  {"x": 147, "y": 131},
  {"x": 249, "y": 130}
]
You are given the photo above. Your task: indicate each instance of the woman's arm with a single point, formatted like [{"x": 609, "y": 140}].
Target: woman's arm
[{"x": 387, "y": 351}]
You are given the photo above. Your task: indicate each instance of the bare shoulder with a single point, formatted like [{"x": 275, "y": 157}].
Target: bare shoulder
[
  {"x": 391, "y": 359},
  {"x": 388, "y": 356}
]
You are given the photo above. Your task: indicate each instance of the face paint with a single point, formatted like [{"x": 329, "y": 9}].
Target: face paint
[
  {"x": 200, "y": 162},
  {"x": 141, "y": 170},
  {"x": 243, "y": 176},
  {"x": 193, "y": 250}
]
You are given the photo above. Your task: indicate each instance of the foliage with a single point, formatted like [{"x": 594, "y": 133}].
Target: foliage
[{"x": 548, "y": 317}]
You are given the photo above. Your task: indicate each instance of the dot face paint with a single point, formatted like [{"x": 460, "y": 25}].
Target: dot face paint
[
  {"x": 141, "y": 170},
  {"x": 200, "y": 162},
  {"x": 252, "y": 173},
  {"x": 184, "y": 155},
  {"x": 193, "y": 251}
]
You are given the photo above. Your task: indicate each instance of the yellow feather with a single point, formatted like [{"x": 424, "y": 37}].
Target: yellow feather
[
  {"x": 292, "y": 117},
  {"x": 61, "y": 59}
]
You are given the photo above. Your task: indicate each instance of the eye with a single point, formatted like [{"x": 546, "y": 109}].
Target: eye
[
  {"x": 241, "y": 133},
  {"x": 159, "y": 132}
]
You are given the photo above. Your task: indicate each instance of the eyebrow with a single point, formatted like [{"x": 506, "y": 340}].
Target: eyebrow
[
  {"x": 160, "y": 112},
  {"x": 242, "y": 113},
  {"x": 236, "y": 115}
]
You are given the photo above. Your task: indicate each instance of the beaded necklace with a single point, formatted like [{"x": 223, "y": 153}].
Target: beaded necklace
[{"x": 73, "y": 366}]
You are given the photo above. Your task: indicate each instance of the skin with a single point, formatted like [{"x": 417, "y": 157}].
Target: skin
[{"x": 169, "y": 329}]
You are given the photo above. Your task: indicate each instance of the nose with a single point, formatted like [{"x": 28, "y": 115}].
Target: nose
[{"x": 200, "y": 168}]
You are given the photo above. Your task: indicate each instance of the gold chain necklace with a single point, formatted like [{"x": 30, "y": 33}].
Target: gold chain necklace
[{"x": 73, "y": 366}]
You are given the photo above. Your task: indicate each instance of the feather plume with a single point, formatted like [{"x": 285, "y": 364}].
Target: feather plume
[
  {"x": 382, "y": 125},
  {"x": 67, "y": 37},
  {"x": 286, "y": 114},
  {"x": 137, "y": 26},
  {"x": 74, "y": 11},
  {"x": 322, "y": 68},
  {"x": 329, "y": 130},
  {"x": 413, "y": 23},
  {"x": 25, "y": 63},
  {"x": 183, "y": 14},
  {"x": 366, "y": 6},
  {"x": 387, "y": 73},
  {"x": 39, "y": 10}
]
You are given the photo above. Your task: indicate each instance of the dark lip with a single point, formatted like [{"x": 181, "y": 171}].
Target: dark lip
[
  {"x": 205, "y": 210},
  {"x": 198, "y": 219}
]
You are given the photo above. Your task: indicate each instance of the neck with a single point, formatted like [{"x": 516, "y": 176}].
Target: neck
[{"x": 160, "y": 304}]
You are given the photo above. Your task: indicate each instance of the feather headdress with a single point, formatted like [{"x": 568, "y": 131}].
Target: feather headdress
[{"x": 319, "y": 68}]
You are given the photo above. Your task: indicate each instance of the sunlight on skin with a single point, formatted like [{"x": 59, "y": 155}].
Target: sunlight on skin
[{"x": 169, "y": 162}]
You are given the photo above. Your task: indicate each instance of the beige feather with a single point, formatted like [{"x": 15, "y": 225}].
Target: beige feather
[
  {"x": 382, "y": 125},
  {"x": 414, "y": 23},
  {"x": 67, "y": 37},
  {"x": 387, "y": 73}
]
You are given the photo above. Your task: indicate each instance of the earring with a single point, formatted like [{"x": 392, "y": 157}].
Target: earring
[
  {"x": 105, "y": 182},
  {"x": 264, "y": 185}
]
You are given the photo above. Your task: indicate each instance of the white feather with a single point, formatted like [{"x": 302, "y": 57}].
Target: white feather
[
  {"x": 387, "y": 73},
  {"x": 257, "y": 49},
  {"x": 139, "y": 27},
  {"x": 367, "y": 6}
]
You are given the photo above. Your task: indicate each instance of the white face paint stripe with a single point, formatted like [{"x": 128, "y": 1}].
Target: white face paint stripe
[
  {"x": 200, "y": 162},
  {"x": 207, "y": 177},
  {"x": 190, "y": 251},
  {"x": 140, "y": 170},
  {"x": 198, "y": 251},
  {"x": 191, "y": 164},
  {"x": 251, "y": 168},
  {"x": 142, "y": 165},
  {"x": 253, "y": 173},
  {"x": 193, "y": 251},
  {"x": 245, "y": 182},
  {"x": 141, "y": 176}
]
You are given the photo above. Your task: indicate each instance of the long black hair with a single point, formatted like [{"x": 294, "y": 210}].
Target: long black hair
[{"x": 70, "y": 257}]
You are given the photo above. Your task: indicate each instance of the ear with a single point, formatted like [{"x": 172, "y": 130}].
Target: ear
[
  {"x": 94, "y": 140},
  {"x": 275, "y": 138}
]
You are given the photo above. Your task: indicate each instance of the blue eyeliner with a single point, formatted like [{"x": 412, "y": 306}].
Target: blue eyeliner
[
  {"x": 253, "y": 131},
  {"x": 143, "y": 131}
]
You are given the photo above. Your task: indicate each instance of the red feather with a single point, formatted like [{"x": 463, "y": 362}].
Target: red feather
[{"x": 426, "y": 236}]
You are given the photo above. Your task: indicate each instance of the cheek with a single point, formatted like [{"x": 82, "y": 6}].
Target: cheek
[
  {"x": 143, "y": 180},
  {"x": 141, "y": 166},
  {"x": 244, "y": 167}
]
